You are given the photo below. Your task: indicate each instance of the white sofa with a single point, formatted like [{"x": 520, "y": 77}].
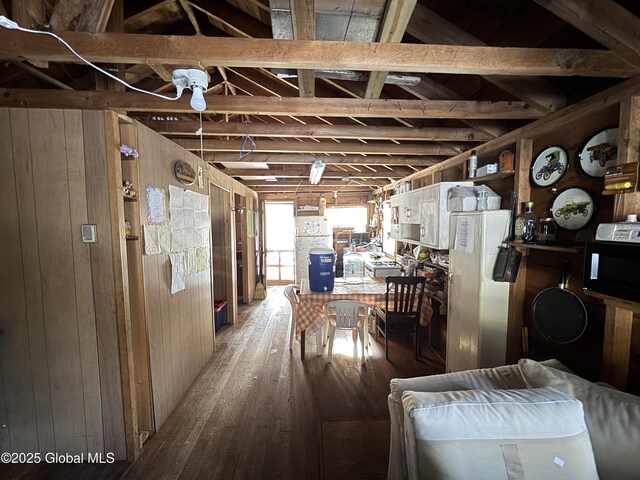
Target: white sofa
[{"x": 530, "y": 420}]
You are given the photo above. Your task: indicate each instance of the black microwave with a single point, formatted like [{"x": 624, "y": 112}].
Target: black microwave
[{"x": 613, "y": 268}]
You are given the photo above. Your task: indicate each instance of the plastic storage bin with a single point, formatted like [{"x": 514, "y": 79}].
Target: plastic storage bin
[{"x": 219, "y": 312}]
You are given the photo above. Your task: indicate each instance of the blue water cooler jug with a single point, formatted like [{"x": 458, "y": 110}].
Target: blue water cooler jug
[{"x": 322, "y": 269}]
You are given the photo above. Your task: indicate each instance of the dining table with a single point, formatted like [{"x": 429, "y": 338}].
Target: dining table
[{"x": 310, "y": 318}]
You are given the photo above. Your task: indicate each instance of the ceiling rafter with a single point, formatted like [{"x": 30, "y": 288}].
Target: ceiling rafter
[
  {"x": 242, "y": 104},
  {"x": 303, "y": 19},
  {"x": 264, "y": 146},
  {"x": 130, "y": 48},
  {"x": 394, "y": 23},
  {"x": 322, "y": 131},
  {"x": 293, "y": 159},
  {"x": 603, "y": 20},
  {"x": 429, "y": 27}
]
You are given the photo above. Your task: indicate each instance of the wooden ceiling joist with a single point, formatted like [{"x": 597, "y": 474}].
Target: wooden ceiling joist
[
  {"x": 313, "y": 54},
  {"x": 271, "y": 146},
  {"x": 428, "y": 27},
  {"x": 303, "y": 19},
  {"x": 319, "y": 131},
  {"x": 394, "y": 23},
  {"x": 303, "y": 172},
  {"x": 326, "y": 107},
  {"x": 293, "y": 159},
  {"x": 81, "y": 15},
  {"x": 603, "y": 20}
]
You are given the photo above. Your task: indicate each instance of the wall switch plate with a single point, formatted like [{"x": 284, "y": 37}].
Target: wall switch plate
[{"x": 89, "y": 233}]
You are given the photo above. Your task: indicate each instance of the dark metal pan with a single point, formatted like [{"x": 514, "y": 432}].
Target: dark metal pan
[{"x": 559, "y": 314}]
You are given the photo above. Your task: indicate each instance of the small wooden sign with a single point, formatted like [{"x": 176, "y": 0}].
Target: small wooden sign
[{"x": 184, "y": 172}]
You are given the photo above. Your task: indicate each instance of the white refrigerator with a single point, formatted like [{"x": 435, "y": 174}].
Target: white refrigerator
[
  {"x": 311, "y": 232},
  {"x": 478, "y": 307}
]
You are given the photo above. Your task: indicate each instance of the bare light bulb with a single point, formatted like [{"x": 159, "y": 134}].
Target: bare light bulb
[{"x": 197, "y": 99}]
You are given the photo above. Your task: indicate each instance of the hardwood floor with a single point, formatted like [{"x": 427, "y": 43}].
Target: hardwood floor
[{"x": 257, "y": 411}]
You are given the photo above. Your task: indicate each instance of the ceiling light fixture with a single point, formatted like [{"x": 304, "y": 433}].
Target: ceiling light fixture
[
  {"x": 316, "y": 172},
  {"x": 194, "y": 79}
]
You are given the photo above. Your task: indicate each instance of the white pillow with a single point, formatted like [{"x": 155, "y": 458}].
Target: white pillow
[
  {"x": 497, "y": 434},
  {"x": 612, "y": 417}
]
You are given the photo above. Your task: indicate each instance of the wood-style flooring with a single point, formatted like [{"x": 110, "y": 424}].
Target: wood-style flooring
[{"x": 257, "y": 411}]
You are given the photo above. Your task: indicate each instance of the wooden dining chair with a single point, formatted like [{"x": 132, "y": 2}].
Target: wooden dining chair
[
  {"x": 403, "y": 305},
  {"x": 346, "y": 315}
]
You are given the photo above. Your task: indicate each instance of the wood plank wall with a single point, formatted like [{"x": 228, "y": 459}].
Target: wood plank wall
[
  {"x": 180, "y": 326},
  {"x": 61, "y": 372}
]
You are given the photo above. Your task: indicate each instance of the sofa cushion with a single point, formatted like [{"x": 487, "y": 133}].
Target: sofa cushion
[
  {"x": 501, "y": 434},
  {"x": 612, "y": 417},
  {"x": 503, "y": 377}
]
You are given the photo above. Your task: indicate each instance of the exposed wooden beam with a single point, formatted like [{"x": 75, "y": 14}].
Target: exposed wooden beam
[
  {"x": 303, "y": 18},
  {"x": 162, "y": 71},
  {"x": 292, "y": 159},
  {"x": 326, "y": 107},
  {"x": 3, "y": 11},
  {"x": 303, "y": 172},
  {"x": 81, "y": 15},
  {"x": 313, "y": 54},
  {"x": 320, "y": 131},
  {"x": 603, "y": 20},
  {"x": 394, "y": 24},
  {"x": 41, "y": 75},
  {"x": 428, "y": 27},
  {"x": 304, "y": 187},
  {"x": 28, "y": 13},
  {"x": 192, "y": 18},
  {"x": 270, "y": 146},
  {"x": 231, "y": 20},
  {"x": 334, "y": 184}
]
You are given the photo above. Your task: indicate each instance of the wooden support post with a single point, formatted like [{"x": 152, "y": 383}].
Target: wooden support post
[{"x": 524, "y": 153}]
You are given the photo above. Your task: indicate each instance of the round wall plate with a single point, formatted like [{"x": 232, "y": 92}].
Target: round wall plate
[
  {"x": 549, "y": 166},
  {"x": 599, "y": 152},
  {"x": 572, "y": 208},
  {"x": 184, "y": 172}
]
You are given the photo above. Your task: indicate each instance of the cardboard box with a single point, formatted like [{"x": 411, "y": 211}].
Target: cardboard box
[
  {"x": 487, "y": 170},
  {"x": 464, "y": 199}
]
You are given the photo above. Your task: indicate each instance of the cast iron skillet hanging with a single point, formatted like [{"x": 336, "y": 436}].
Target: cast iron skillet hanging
[{"x": 558, "y": 314}]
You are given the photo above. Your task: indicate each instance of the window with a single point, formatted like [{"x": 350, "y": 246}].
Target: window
[{"x": 355, "y": 217}]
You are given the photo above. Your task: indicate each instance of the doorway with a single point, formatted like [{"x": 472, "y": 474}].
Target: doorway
[
  {"x": 280, "y": 236},
  {"x": 222, "y": 263}
]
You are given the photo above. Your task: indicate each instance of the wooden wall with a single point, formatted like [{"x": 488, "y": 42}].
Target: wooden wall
[
  {"x": 180, "y": 326},
  {"x": 61, "y": 388}
]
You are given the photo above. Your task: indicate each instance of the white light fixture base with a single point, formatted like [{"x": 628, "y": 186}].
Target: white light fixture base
[{"x": 194, "y": 79}]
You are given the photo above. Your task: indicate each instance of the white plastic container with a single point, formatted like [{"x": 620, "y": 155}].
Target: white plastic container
[{"x": 353, "y": 266}]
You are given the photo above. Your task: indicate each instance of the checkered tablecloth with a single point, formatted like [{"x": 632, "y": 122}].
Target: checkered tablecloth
[{"x": 311, "y": 307}]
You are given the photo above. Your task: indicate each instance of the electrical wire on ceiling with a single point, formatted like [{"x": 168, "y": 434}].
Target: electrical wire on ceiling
[{"x": 11, "y": 25}]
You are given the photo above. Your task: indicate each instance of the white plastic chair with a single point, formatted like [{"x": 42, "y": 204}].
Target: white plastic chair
[
  {"x": 346, "y": 315},
  {"x": 292, "y": 293}
]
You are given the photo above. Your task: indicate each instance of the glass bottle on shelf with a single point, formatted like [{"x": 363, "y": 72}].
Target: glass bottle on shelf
[
  {"x": 473, "y": 164},
  {"x": 526, "y": 224},
  {"x": 483, "y": 195}
]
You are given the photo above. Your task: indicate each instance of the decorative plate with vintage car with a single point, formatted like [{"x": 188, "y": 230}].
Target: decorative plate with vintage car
[
  {"x": 572, "y": 208},
  {"x": 600, "y": 152},
  {"x": 549, "y": 166}
]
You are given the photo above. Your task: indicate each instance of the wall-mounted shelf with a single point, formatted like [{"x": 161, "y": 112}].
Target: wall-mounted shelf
[
  {"x": 559, "y": 247},
  {"x": 128, "y": 198},
  {"x": 132, "y": 237},
  {"x": 435, "y": 265},
  {"x": 493, "y": 176}
]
